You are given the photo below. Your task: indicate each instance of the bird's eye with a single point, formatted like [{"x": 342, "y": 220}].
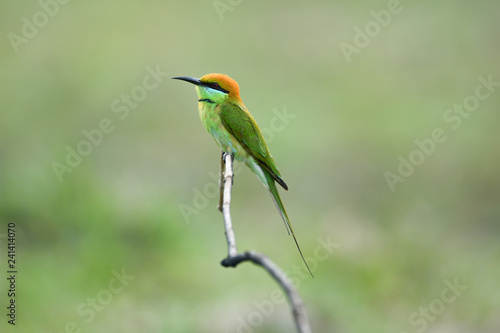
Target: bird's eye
[{"x": 215, "y": 85}]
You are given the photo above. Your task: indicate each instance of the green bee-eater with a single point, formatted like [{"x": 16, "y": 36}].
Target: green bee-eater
[{"x": 225, "y": 117}]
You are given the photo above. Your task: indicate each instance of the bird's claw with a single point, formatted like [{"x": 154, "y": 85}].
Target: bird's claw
[{"x": 224, "y": 154}]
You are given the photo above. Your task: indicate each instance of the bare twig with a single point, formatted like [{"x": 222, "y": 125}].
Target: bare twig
[
  {"x": 226, "y": 202},
  {"x": 234, "y": 258},
  {"x": 221, "y": 181}
]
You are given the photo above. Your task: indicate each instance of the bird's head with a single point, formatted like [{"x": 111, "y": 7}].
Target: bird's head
[{"x": 215, "y": 87}]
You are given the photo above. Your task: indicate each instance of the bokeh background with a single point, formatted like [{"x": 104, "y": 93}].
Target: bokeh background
[{"x": 420, "y": 255}]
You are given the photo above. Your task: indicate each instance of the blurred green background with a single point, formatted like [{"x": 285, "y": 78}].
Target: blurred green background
[{"x": 141, "y": 203}]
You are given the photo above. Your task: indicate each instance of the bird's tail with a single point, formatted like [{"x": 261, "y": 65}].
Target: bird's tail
[{"x": 281, "y": 209}]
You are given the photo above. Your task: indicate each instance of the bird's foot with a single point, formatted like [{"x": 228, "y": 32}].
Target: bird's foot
[{"x": 224, "y": 154}]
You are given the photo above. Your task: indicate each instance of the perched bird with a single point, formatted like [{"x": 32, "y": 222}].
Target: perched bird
[{"x": 225, "y": 117}]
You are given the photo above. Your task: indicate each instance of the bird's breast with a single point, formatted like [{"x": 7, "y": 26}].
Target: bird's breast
[{"x": 210, "y": 117}]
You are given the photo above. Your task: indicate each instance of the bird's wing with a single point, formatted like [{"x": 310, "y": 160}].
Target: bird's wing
[{"x": 240, "y": 123}]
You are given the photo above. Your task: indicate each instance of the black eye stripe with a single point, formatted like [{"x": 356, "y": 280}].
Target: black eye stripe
[{"x": 215, "y": 85}]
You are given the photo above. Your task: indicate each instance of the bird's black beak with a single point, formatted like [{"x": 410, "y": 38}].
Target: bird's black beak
[{"x": 192, "y": 80}]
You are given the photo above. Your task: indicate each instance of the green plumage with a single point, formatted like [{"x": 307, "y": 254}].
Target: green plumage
[
  {"x": 226, "y": 118},
  {"x": 240, "y": 123}
]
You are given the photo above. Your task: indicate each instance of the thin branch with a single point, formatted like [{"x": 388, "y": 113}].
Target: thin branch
[
  {"x": 226, "y": 202},
  {"x": 221, "y": 181},
  {"x": 234, "y": 258}
]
